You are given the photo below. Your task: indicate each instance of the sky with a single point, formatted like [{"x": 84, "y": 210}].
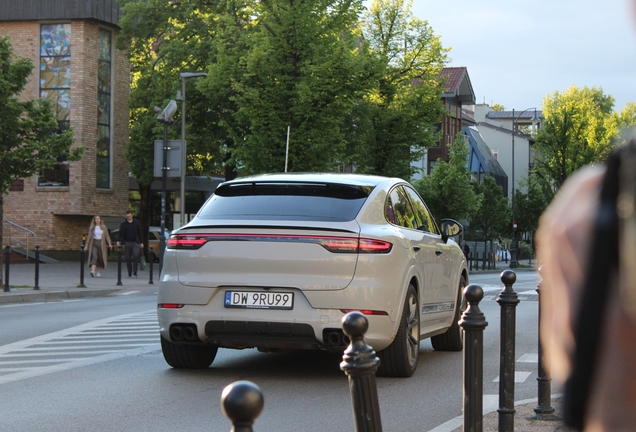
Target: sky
[{"x": 518, "y": 52}]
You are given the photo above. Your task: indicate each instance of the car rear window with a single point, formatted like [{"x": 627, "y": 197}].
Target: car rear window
[{"x": 286, "y": 201}]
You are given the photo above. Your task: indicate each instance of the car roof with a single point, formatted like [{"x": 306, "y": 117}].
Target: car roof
[{"x": 349, "y": 179}]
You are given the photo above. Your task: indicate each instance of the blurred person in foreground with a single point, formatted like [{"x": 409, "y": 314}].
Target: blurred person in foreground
[{"x": 587, "y": 248}]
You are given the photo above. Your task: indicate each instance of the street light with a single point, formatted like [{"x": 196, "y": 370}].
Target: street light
[
  {"x": 184, "y": 76},
  {"x": 513, "y": 246}
]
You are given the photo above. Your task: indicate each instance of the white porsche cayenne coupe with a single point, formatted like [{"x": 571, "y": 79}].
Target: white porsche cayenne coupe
[{"x": 276, "y": 261}]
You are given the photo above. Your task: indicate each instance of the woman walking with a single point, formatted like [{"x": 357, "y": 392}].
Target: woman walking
[{"x": 98, "y": 241}]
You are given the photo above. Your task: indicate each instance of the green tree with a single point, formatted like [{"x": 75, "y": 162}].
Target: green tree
[
  {"x": 529, "y": 206},
  {"x": 498, "y": 107},
  {"x": 163, "y": 39},
  {"x": 493, "y": 217},
  {"x": 28, "y": 141},
  {"x": 396, "y": 121},
  {"x": 579, "y": 128},
  {"x": 296, "y": 65},
  {"x": 448, "y": 191}
]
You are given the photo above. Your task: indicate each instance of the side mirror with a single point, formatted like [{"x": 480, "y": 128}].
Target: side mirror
[{"x": 450, "y": 228}]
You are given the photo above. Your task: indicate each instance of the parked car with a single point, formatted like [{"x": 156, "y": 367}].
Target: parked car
[
  {"x": 154, "y": 237},
  {"x": 276, "y": 261}
]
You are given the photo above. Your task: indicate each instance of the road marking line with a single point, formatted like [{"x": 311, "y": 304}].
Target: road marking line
[
  {"x": 529, "y": 358},
  {"x": 519, "y": 377}
]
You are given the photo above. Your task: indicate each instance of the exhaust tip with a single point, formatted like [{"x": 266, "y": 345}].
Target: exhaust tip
[{"x": 176, "y": 333}]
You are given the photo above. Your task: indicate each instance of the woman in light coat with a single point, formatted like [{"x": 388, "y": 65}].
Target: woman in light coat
[{"x": 98, "y": 245}]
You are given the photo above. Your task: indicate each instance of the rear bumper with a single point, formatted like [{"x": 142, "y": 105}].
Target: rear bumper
[{"x": 303, "y": 327}]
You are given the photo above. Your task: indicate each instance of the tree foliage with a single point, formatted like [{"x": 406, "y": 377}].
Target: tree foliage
[
  {"x": 163, "y": 39},
  {"x": 395, "y": 124},
  {"x": 493, "y": 217},
  {"x": 579, "y": 128},
  {"x": 529, "y": 206},
  {"x": 28, "y": 141},
  {"x": 448, "y": 191},
  {"x": 296, "y": 65}
]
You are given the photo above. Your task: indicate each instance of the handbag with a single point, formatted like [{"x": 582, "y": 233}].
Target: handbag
[{"x": 142, "y": 262}]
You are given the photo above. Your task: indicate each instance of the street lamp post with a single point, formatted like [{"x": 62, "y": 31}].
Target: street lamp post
[
  {"x": 184, "y": 76},
  {"x": 513, "y": 245}
]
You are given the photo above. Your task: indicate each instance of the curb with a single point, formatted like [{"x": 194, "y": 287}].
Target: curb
[{"x": 55, "y": 295}]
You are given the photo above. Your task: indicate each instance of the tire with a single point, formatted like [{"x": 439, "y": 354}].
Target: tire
[
  {"x": 453, "y": 338},
  {"x": 188, "y": 356},
  {"x": 400, "y": 358}
]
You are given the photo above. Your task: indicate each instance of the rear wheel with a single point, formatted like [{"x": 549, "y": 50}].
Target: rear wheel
[
  {"x": 400, "y": 358},
  {"x": 188, "y": 356},
  {"x": 453, "y": 338}
]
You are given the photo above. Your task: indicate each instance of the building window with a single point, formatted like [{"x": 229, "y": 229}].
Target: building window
[
  {"x": 55, "y": 85},
  {"x": 103, "y": 149}
]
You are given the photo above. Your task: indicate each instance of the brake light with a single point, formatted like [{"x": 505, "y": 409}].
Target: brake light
[
  {"x": 184, "y": 241},
  {"x": 365, "y": 312},
  {"x": 375, "y": 246}
]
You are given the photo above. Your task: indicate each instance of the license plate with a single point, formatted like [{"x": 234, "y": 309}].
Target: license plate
[{"x": 259, "y": 300}]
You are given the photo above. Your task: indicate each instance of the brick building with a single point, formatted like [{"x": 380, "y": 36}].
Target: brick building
[{"x": 72, "y": 45}]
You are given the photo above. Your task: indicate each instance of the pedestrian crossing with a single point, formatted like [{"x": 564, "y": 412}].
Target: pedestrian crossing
[{"x": 94, "y": 342}]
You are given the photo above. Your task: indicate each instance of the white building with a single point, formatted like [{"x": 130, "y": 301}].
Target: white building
[{"x": 496, "y": 129}]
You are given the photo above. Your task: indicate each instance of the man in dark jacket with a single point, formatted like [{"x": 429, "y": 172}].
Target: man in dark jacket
[{"x": 130, "y": 236}]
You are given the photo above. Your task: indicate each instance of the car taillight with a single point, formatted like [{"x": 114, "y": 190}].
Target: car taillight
[
  {"x": 169, "y": 306},
  {"x": 347, "y": 245},
  {"x": 185, "y": 241},
  {"x": 364, "y": 312},
  {"x": 332, "y": 244}
]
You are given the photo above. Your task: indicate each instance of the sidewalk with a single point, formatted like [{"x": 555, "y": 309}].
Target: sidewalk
[{"x": 61, "y": 280}]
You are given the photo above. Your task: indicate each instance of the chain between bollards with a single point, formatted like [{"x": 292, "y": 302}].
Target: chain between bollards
[
  {"x": 508, "y": 301},
  {"x": 7, "y": 261},
  {"x": 36, "y": 285},
  {"x": 543, "y": 410},
  {"x": 473, "y": 323},
  {"x": 242, "y": 402},
  {"x": 119, "y": 266},
  {"x": 151, "y": 261},
  {"x": 360, "y": 363}
]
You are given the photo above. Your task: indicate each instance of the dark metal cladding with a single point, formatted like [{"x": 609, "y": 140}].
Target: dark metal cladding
[{"x": 105, "y": 11}]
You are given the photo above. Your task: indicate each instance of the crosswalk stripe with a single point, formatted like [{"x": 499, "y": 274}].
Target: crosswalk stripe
[{"x": 94, "y": 342}]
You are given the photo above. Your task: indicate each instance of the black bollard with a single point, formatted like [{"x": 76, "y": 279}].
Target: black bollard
[
  {"x": 7, "y": 260},
  {"x": 81, "y": 284},
  {"x": 543, "y": 411},
  {"x": 359, "y": 362},
  {"x": 473, "y": 323},
  {"x": 508, "y": 300},
  {"x": 151, "y": 261},
  {"x": 470, "y": 261},
  {"x": 36, "y": 285},
  {"x": 119, "y": 266},
  {"x": 242, "y": 402},
  {"x": 483, "y": 260}
]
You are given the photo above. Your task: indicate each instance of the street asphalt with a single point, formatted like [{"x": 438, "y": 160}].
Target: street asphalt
[{"x": 62, "y": 280}]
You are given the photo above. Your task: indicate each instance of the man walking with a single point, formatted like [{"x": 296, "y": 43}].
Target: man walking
[{"x": 130, "y": 236}]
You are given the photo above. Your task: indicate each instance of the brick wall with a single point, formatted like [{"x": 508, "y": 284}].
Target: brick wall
[{"x": 61, "y": 215}]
